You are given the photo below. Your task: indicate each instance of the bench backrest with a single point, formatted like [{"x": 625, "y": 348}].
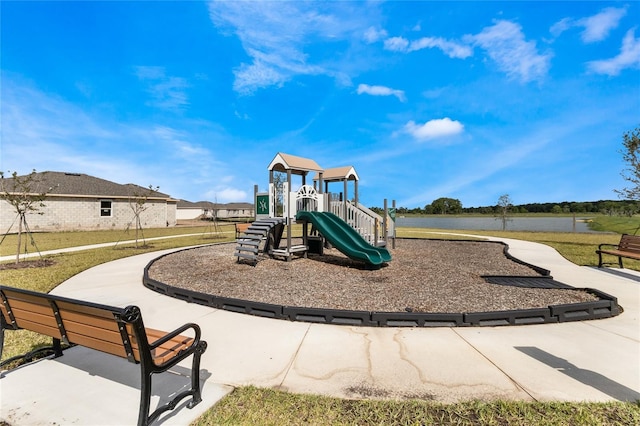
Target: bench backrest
[
  {"x": 108, "y": 329},
  {"x": 630, "y": 243}
]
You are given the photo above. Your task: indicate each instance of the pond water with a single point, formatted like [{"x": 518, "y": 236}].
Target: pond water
[{"x": 550, "y": 224}]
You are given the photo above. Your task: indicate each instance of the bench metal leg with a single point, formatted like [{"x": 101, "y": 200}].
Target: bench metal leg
[
  {"x": 195, "y": 375},
  {"x": 145, "y": 397},
  {"x": 144, "y": 418}
]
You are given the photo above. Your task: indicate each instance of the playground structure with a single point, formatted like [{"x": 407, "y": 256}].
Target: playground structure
[{"x": 336, "y": 221}]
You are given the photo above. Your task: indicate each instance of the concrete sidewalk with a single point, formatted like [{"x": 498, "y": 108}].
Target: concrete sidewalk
[{"x": 577, "y": 361}]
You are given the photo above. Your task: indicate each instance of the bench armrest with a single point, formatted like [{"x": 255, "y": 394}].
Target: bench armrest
[
  {"x": 177, "y": 332},
  {"x": 614, "y": 246}
]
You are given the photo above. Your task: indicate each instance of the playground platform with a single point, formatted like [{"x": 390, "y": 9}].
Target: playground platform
[{"x": 574, "y": 361}]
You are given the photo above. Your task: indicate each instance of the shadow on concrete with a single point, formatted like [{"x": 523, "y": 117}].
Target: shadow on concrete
[
  {"x": 588, "y": 377},
  {"x": 622, "y": 273}
]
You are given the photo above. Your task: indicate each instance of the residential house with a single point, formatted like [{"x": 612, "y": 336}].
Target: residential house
[
  {"x": 188, "y": 210},
  {"x": 77, "y": 201}
]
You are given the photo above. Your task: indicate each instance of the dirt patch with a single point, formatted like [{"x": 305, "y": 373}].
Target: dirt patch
[{"x": 40, "y": 263}]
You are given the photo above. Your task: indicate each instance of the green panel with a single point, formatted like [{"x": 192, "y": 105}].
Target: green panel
[{"x": 262, "y": 204}]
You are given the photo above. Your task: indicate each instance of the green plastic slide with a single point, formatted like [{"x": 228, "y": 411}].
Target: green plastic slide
[{"x": 345, "y": 238}]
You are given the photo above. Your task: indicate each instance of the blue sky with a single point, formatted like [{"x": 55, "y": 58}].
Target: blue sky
[{"x": 468, "y": 100}]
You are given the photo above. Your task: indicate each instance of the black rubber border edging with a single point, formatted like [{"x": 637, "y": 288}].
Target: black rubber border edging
[{"x": 605, "y": 307}]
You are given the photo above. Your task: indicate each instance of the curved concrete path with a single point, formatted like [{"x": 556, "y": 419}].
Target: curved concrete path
[{"x": 578, "y": 361}]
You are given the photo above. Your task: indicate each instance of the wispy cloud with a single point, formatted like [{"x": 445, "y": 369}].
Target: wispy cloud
[
  {"x": 506, "y": 45},
  {"x": 167, "y": 92},
  {"x": 450, "y": 48},
  {"x": 381, "y": 91},
  {"x": 372, "y": 34},
  {"x": 629, "y": 57},
  {"x": 434, "y": 129},
  {"x": 595, "y": 28},
  {"x": 47, "y": 133},
  {"x": 277, "y": 37}
]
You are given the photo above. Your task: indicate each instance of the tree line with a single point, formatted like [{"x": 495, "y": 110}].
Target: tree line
[{"x": 454, "y": 206}]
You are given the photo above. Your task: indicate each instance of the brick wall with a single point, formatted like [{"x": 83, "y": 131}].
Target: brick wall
[{"x": 77, "y": 214}]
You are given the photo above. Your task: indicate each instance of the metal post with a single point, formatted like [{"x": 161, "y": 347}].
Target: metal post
[
  {"x": 385, "y": 223},
  {"x": 255, "y": 202},
  {"x": 393, "y": 245},
  {"x": 289, "y": 214}
]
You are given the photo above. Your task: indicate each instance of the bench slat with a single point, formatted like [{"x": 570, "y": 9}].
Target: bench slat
[{"x": 23, "y": 312}]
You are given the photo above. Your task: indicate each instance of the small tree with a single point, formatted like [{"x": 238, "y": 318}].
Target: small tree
[
  {"x": 279, "y": 178},
  {"x": 504, "y": 208},
  {"x": 137, "y": 203},
  {"x": 631, "y": 156},
  {"x": 25, "y": 195}
]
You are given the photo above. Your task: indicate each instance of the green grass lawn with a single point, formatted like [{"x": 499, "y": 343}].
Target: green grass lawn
[
  {"x": 255, "y": 406},
  {"x": 250, "y": 405}
]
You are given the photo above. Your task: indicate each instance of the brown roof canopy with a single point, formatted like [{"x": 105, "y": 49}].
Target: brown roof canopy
[
  {"x": 338, "y": 174},
  {"x": 298, "y": 165}
]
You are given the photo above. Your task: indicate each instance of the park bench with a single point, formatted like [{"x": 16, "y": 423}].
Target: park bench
[
  {"x": 628, "y": 247},
  {"x": 241, "y": 228},
  {"x": 117, "y": 331}
]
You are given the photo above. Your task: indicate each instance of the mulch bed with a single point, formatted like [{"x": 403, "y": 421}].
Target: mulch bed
[{"x": 424, "y": 276}]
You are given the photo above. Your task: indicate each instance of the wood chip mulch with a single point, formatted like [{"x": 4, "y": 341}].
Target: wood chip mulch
[{"x": 424, "y": 276}]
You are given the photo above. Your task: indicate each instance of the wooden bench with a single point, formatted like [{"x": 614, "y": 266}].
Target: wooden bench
[
  {"x": 628, "y": 247},
  {"x": 241, "y": 228},
  {"x": 117, "y": 331}
]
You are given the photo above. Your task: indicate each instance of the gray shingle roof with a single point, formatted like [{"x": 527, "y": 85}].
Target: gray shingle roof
[{"x": 61, "y": 183}]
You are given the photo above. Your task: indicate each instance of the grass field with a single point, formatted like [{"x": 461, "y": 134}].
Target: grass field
[{"x": 250, "y": 406}]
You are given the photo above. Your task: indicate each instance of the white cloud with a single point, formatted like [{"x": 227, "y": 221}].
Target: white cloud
[
  {"x": 595, "y": 28},
  {"x": 434, "y": 129},
  {"x": 629, "y": 57},
  {"x": 450, "y": 48},
  {"x": 396, "y": 44},
  {"x": 505, "y": 44},
  {"x": 167, "y": 92},
  {"x": 276, "y": 37},
  {"x": 561, "y": 26},
  {"x": 372, "y": 34},
  {"x": 381, "y": 91}
]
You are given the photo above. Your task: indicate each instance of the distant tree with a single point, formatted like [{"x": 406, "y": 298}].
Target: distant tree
[
  {"x": 631, "y": 156},
  {"x": 446, "y": 206},
  {"x": 279, "y": 178},
  {"x": 503, "y": 209},
  {"x": 25, "y": 195}
]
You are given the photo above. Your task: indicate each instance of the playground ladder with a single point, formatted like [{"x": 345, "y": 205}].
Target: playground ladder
[{"x": 249, "y": 242}]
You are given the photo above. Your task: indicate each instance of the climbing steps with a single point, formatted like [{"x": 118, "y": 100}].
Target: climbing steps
[{"x": 249, "y": 242}]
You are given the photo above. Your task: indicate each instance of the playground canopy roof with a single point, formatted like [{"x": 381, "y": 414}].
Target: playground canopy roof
[
  {"x": 298, "y": 165},
  {"x": 338, "y": 174}
]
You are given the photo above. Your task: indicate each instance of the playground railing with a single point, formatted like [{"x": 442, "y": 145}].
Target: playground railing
[{"x": 365, "y": 221}]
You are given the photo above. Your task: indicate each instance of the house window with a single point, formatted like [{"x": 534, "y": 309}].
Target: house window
[{"x": 105, "y": 208}]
